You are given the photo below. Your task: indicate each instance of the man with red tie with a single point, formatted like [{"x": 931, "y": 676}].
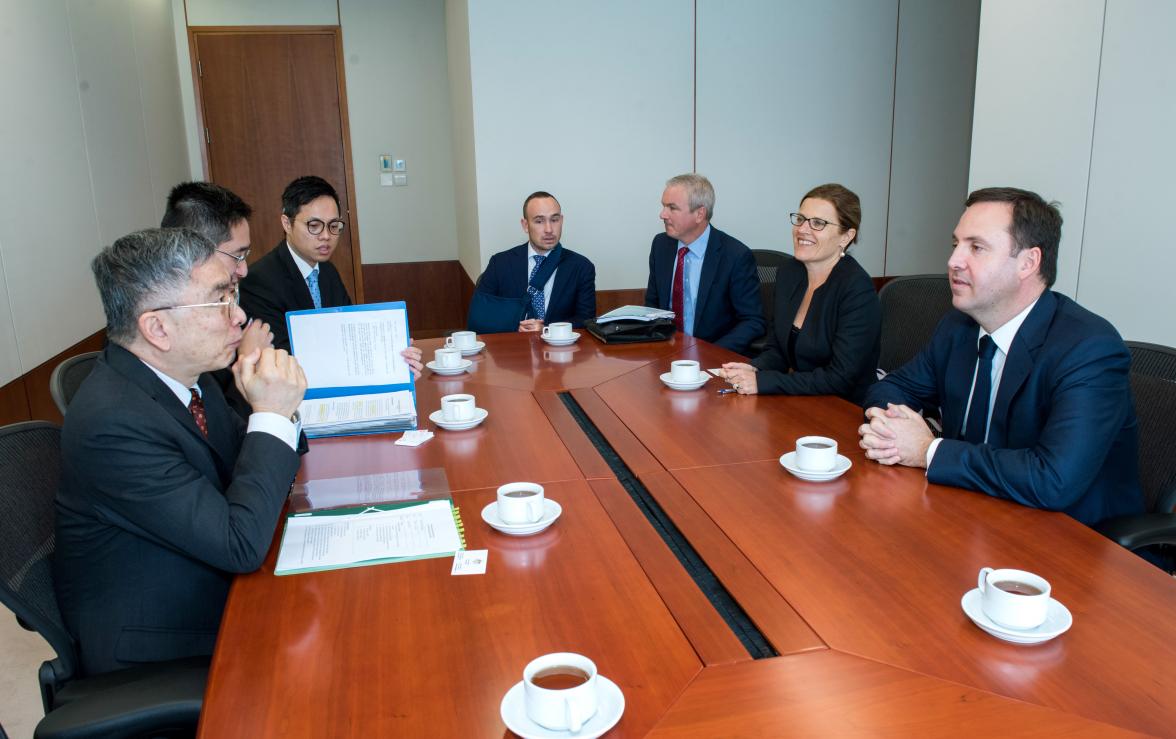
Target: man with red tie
[
  {"x": 707, "y": 278},
  {"x": 165, "y": 492}
]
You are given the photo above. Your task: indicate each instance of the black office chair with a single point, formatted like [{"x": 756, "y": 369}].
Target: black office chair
[
  {"x": 67, "y": 377},
  {"x": 1153, "y": 383},
  {"x": 911, "y": 309},
  {"x": 156, "y": 700},
  {"x": 766, "y": 264}
]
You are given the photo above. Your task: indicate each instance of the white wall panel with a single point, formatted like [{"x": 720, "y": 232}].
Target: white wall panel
[
  {"x": 465, "y": 177},
  {"x": 591, "y": 101},
  {"x": 793, "y": 95},
  {"x": 1036, "y": 85},
  {"x": 9, "y": 350},
  {"x": 263, "y": 12},
  {"x": 1127, "y": 253}
]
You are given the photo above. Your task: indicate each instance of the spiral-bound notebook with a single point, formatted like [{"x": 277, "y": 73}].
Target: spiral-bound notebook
[{"x": 371, "y": 535}]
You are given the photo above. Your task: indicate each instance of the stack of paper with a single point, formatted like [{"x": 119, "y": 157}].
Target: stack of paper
[
  {"x": 358, "y": 414},
  {"x": 634, "y": 313}
]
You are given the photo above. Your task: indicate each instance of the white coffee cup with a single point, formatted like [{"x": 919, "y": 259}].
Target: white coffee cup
[
  {"x": 816, "y": 453},
  {"x": 447, "y": 357},
  {"x": 458, "y": 407},
  {"x": 684, "y": 370},
  {"x": 1015, "y": 599},
  {"x": 462, "y": 339},
  {"x": 557, "y": 331},
  {"x": 560, "y": 708},
  {"x": 520, "y": 502}
]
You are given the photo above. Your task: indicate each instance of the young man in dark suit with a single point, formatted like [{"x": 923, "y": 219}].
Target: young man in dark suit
[
  {"x": 297, "y": 274},
  {"x": 1061, "y": 433},
  {"x": 569, "y": 294},
  {"x": 165, "y": 493},
  {"x": 705, "y": 276}
]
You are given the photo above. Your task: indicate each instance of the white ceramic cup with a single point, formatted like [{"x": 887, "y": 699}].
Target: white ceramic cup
[
  {"x": 560, "y": 710},
  {"x": 816, "y": 453},
  {"x": 684, "y": 370},
  {"x": 447, "y": 357},
  {"x": 1015, "y": 599},
  {"x": 458, "y": 407},
  {"x": 520, "y": 502},
  {"x": 462, "y": 339},
  {"x": 557, "y": 331}
]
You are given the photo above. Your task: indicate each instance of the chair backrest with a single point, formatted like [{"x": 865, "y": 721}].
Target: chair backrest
[
  {"x": 766, "y": 264},
  {"x": 911, "y": 309},
  {"x": 68, "y": 376},
  {"x": 1153, "y": 383},
  {"x": 30, "y": 468}
]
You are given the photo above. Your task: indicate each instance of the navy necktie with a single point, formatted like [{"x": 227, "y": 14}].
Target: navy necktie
[
  {"x": 977, "y": 425},
  {"x": 536, "y": 293},
  {"x": 312, "y": 283}
]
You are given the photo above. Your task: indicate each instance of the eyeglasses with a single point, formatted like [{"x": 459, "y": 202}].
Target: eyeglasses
[
  {"x": 238, "y": 258},
  {"x": 817, "y": 224},
  {"x": 315, "y": 226},
  {"x": 226, "y": 305}
]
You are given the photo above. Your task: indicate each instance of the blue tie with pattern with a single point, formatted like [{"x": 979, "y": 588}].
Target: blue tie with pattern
[
  {"x": 536, "y": 293},
  {"x": 312, "y": 283}
]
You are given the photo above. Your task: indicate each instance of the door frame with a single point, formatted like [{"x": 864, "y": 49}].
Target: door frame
[{"x": 352, "y": 214}]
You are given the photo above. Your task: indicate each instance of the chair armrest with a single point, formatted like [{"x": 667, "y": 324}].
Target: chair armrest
[
  {"x": 1141, "y": 530},
  {"x": 157, "y": 697}
]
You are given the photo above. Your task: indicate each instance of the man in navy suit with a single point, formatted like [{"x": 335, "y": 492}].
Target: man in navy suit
[
  {"x": 1061, "y": 434},
  {"x": 569, "y": 294},
  {"x": 705, "y": 276}
]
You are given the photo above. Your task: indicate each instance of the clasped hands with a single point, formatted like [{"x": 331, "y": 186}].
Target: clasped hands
[
  {"x": 741, "y": 376},
  {"x": 897, "y": 435}
]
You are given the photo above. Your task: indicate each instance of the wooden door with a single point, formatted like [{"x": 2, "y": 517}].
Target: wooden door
[{"x": 273, "y": 106}]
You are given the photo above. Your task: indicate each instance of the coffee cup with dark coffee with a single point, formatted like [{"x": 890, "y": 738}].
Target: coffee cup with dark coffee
[
  {"x": 1015, "y": 599},
  {"x": 560, "y": 691},
  {"x": 816, "y": 453},
  {"x": 520, "y": 503}
]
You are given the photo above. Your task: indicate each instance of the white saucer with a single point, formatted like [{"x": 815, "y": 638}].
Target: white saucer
[
  {"x": 563, "y": 342},
  {"x": 702, "y": 378},
  {"x": 788, "y": 462},
  {"x": 610, "y": 705},
  {"x": 462, "y": 367},
  {"x": 477, "y": 347},
  {"x": 438, "y": 418},
  {"x": 1057, "y": 621},
  {"x": 551, "y": 511}
]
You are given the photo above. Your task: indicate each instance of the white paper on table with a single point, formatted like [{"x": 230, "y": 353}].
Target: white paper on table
[
  {"x": 352, "y": 348},
  {"x": 352, "y": 408}
]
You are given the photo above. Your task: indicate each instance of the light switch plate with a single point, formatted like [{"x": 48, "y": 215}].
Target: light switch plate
[{"x": 399, "y": 166}]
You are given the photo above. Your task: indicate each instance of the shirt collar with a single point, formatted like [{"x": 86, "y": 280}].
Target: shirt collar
[
  {"x": 533, "y": 252},
  {"x": 304, "y": 267},
  {"x": 177, "y": 387},
  {"x": 698, "y": 246},
  {"x": 1003, "y": 336}
]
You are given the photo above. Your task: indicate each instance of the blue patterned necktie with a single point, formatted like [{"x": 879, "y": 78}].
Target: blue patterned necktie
[
  {"x": 536, "y": 293},
  {"x": 312, "y": 283},
  {"x": 977, "y": 426}
]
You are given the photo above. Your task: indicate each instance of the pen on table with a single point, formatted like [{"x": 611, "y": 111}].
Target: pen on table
[{"x": 726, "y": 390}]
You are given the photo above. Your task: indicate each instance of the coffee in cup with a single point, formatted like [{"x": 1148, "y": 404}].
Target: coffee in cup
[
  {"x": 462, "y": 340},
  {"x": 447, "y": 357},
  {"x": 1015, "y": 599},
  {"x": 816, "y": 453},
  {"x": 457, "y": 407},
  {"x": 557, "y": 331},
  {"x": 560, "y": 691},
  {"x": 520, "y": 503},
  {"x": 684, "y": 371}
]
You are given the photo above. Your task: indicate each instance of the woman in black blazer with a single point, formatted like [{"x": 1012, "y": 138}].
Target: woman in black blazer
[{"x": 827, "y": 317}]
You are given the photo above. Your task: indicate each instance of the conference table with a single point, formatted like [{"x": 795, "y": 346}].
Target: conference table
[{"x": 722, "y": 595}]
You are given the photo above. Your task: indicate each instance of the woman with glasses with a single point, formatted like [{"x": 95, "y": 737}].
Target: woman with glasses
[{"x": 825, "y": 339}]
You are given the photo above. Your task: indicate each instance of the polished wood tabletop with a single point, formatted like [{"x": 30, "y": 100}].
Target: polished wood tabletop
[{"x": 855, "y": 583}]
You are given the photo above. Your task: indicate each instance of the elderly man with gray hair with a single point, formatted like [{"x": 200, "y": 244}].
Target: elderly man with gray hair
[
  {"x": 705, "y": 276},
  {"x": 165, "y": 493}
]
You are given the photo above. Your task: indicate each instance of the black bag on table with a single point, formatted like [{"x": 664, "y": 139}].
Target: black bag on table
[{"x": 631, "y": 330}]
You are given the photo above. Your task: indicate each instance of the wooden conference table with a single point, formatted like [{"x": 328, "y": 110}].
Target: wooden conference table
[{"x": 853, "y": 585}]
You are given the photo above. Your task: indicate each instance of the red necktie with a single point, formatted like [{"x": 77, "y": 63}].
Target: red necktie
[
  {"x": 677, "y": 300},
  {"x": 196, "y": 408}
]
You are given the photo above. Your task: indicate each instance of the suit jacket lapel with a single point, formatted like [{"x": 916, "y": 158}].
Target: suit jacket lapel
[
  {"x": 298, "y": 286},
  {"x": 958, "y": 375},
  {"x": 131, "y": 367},
  {"x": 220, "y": 424},
  {"x": 1019, "y": 363},
  {"x": 710, "y": 267}
]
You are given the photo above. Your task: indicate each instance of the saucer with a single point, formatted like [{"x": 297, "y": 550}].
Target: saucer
[
  {"x": 563, "y": 342},
  {"x": 702, "y": 378},
  {"x": 610, "y": 704},
  {"x": 788, "y": 462},
  {"x": 551, "y": 511},
  {"x": 477, "y": 347},
  {"x": 438, "y": 418},
  {"x": 462, "y": 367},
  {"x": 1057, "y": 621}
]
